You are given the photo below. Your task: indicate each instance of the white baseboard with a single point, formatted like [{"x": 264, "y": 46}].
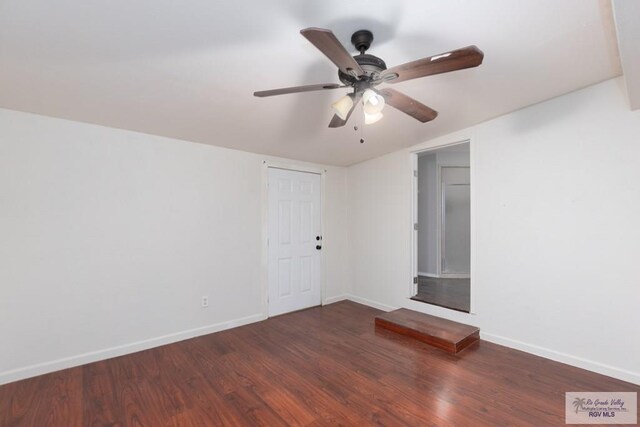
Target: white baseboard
[
  {"x": 445, "y": 275},
  {"x": 428, "y": 274},
  {"x": 589, "y": 365},
  {"x": 454, "y": 276},
  {"x": 370, "y": 303},
  {"x": 337, "y": 298},
  {"x": 94, "y": 356},
  {"x": 81, "y": 359}
]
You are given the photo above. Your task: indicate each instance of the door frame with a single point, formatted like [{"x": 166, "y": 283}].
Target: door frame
[
  {"x": 264, "y": 267},
  {"x": 412, "y": 289}
]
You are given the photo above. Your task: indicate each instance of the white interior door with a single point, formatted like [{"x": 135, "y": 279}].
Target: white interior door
[{"x": 294, "y": 248}]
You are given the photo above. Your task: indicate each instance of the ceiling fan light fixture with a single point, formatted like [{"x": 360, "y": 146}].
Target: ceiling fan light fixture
[
  {"x": 370, "y": 119},
  {"x": 364, "y": 72},
  {"x": 372, "y": 103},
  {"x": 342, "y": 106}
]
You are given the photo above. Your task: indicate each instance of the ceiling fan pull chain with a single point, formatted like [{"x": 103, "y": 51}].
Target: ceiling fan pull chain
[{"x": 356, "y": 127}]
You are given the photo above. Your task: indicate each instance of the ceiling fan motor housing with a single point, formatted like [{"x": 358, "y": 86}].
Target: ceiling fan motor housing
[
  {"x": 372, "y": 66},
  {"x": 361, "y": 40}
]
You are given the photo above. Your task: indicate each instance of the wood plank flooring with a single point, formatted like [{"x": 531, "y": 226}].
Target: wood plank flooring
[{"x": 320, "y": 366}]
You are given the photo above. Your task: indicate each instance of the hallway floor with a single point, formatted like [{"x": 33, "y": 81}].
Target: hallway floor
[{"x": 449, "y": 293}]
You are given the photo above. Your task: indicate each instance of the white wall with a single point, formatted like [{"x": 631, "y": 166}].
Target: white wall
[
  {"x": 109, "y": 238},
  {"x": 555, "y": 230}
]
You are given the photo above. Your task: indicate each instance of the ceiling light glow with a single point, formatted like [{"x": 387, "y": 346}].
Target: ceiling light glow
[
  {"x": 370, "y": 119},
  {"x": 372, "y": 103},
  {"x": 342, "y": 106}
]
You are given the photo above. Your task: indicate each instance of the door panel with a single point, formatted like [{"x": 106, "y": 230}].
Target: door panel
[
  {"x": 456, "y": 220},
  {"x": 294, "y": 222},
  {"x": 284, "y": 221},
  {"x": 306, "y": 221},
  {"x": 306, "y": 271},
  {"x": 284, "y": 277}
]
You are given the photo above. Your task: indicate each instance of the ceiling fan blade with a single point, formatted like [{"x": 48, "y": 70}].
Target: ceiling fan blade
[
  {"x": 296, "y": 89},
  {"x": 337, "y": 122},
  {"x": 467, "y": 57},
  {"x": 408, "y": 105},
  {"x": 328, "y": 44}
]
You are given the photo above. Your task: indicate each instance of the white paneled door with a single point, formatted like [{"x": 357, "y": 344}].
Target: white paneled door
[{"x": 295, "y": 240}]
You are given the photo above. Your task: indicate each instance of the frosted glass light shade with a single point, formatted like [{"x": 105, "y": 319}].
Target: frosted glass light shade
[
  {"x": 372, "y": 103},
  {"x": 342, "y": 106},
  {"x": 372, "y": 118},
  {"x": 367, "y": 94}
]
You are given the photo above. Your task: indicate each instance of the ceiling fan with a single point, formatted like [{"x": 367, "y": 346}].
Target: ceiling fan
[{"x": 364, "y": 72}]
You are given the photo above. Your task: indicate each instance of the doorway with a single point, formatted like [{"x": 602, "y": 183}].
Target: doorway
[
  {"x": 294, "y": 240},
  {"x": 443, "y": 228}
]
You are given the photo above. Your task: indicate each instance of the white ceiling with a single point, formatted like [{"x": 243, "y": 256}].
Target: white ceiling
[{"x": 187, "y": 69}]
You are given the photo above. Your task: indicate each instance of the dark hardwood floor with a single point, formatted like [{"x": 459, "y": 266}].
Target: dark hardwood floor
[
  {"x": 449, "y": 293},
  {"x": 320, "y": 366}
]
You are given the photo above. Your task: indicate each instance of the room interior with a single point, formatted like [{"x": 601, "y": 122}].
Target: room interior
[{"x": 145, "y": 277}]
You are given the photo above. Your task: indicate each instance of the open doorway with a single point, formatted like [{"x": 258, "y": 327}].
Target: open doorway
[{"x": 443, "y": 228}]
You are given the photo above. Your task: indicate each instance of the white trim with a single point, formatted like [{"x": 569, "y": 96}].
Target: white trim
[
  {"x": 439, "y": 220},
  {"x": 455, "y": 276},
  {"x": 370, "y": 303},
  {"x": 445, "y": 275},
  {"x": 589, "y": 365},
  {"x": 337, "y": 298},
  {"x": 415, "y": 176},
  {"x": 264, "y": 274},
  {"x": 107, "y": 353},
  {"x": 420, "y": 273},
  {"x": 473, "y": 288},
  {"x": 293, "y": 167}
]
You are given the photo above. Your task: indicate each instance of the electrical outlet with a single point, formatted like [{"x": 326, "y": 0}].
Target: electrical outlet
[{"x": 205, "y": 301}]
